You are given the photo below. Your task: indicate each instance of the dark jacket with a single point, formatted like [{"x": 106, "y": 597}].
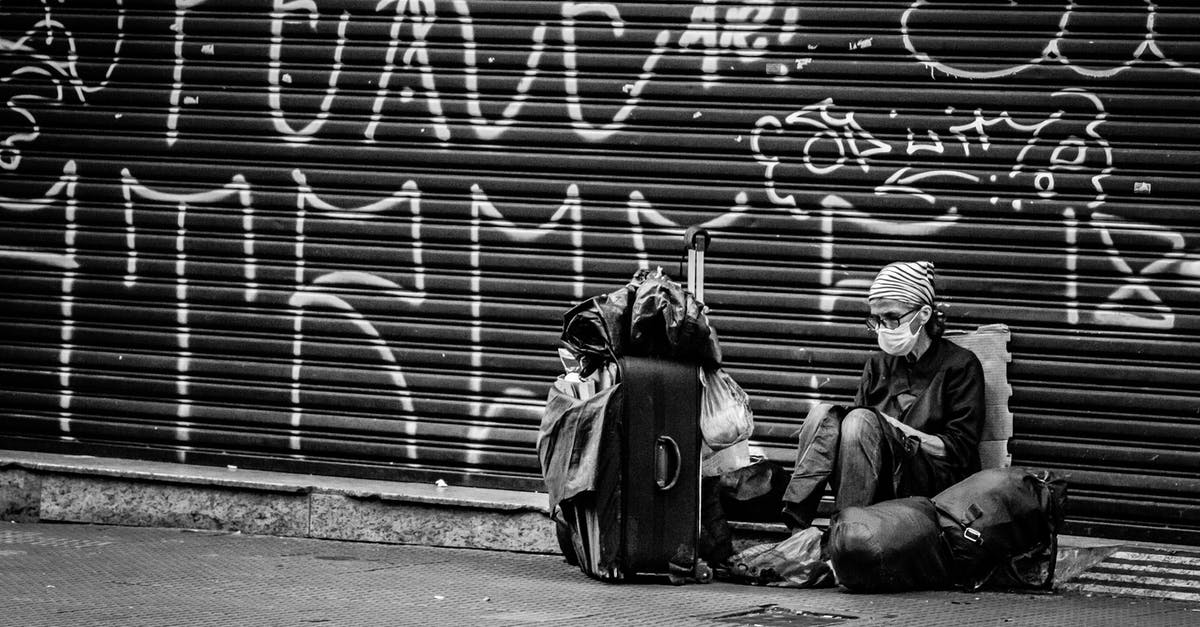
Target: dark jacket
[{"x": 940, "y": 394}]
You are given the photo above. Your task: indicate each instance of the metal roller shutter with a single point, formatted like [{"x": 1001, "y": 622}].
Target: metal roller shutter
[{"x": 338, "y": 237}]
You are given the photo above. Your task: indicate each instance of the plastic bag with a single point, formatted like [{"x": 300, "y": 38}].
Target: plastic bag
[
  {"x": 717, "y": 463},
  {"x": 794, "y": 563},
  {"x": 725, "y": 414},
  {"x": 568, "y": 442},
  {"x": 597, "y": 329}
]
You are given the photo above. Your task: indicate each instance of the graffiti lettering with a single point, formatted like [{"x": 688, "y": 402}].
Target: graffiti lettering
[
  {"x": 64, "y": 189},
  {"x": 741, "y": 31},
  {"x": 275, "y": 74},
  {"x": 828, "y": 143},
  {"x": 50, "y": 67},
  {"x": 134, "y": 191},
  {"x": 1059, "y": 167},
  {"x": 419, "y": 277},
  {"x": 1083, "y": 54},
  {"x": 738, "y": 31}
]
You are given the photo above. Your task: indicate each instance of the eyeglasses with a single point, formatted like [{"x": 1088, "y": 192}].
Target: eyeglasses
[{"x": 889, "y": 322}]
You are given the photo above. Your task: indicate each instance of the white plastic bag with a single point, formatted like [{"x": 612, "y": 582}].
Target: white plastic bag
[
  {"x": 725, "y": 414},
  {"x": 717, "y": 463}
]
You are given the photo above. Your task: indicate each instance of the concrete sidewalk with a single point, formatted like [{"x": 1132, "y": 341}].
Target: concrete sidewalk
[
  {"x": 42, "y": 487},
  {"x": 63, "y": 575}
]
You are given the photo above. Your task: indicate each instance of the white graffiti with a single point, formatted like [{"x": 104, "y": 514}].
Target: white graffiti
[
  {"x": 718, "y": 32},
  {"x": 585, "y": 129},
  {"x": 334, "y": 291},
  {"x": 570, "y": 212},
  {"x": 238, "y": 190},
  {"x": 903, "y": 180},
  {"x": 1071, "y": 153},
  {"x": 422, "y": 14},
  {"x": 849, "y": 142},
  {"x": 1135, "y": 291},
  {"x": 63, "y": 190},
  {"x": 134, "y": 191},
  {"x": 744, "y": 32},
  {"x": 10, "y": 151},
  {"x": 1057, "y": 147},
  {"x": 840, "y": 141},
  {"x": 319, "y": 294},
  {"x": 276, "y": 76},
  {"x": 484, "y": 128},
  {"x": 176, "y": 96},
  {"x": 56, "y": 69},
  {"x": 321, "y": 291},
  {"x": 1084, "y": 54},
  {"x": 829, "y": 142}
]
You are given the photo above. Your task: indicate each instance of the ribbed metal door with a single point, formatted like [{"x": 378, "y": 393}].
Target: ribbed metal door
[{"x": 338, "y": 237}]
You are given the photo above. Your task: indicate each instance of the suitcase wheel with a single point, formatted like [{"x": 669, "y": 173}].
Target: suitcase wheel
[
  {"x": 703, "y": 573},
  {"x": 676, "y": 580}
]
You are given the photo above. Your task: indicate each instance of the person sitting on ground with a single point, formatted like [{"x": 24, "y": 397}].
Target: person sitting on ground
[{"x": 915, "y": 425}]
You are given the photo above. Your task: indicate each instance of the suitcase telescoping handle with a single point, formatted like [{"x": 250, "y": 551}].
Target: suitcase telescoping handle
[
  {"x": 696, "y": 241},
  {"x": 667, "y": 462}
]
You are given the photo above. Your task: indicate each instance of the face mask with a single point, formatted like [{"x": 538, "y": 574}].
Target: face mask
[{"x": 897, "y": 342}]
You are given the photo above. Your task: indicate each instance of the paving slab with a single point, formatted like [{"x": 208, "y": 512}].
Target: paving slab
[{"x": 62, "y": 575}]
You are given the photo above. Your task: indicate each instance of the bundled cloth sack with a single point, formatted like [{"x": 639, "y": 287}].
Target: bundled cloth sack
[
  {"x": 651, "y": 316},
  {"x": 667, "y": 321},
  {"x": 1001, "y": 526},
  {"x": 890, "y": 546}
]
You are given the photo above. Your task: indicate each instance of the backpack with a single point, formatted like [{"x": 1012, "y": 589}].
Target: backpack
[{"x": 1002, "y": 525}]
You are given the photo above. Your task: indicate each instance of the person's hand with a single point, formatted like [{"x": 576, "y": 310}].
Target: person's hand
[
  {"x": 931, "y": 444},
  {"x": 894, "y": 421}
]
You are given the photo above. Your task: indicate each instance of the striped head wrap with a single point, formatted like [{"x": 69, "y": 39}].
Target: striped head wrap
[{"x": 906, "y": 281}]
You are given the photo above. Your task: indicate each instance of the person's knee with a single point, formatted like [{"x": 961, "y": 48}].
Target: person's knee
[
  {"x": 820, "y": 418},
  {"x": 859, "y": 424},
  {"x": 823, "y": 412}
]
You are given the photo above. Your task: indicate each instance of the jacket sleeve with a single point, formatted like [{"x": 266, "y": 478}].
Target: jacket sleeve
[
  {"x": 963, "y": 411},
  {"x": 865, "y": 383}
]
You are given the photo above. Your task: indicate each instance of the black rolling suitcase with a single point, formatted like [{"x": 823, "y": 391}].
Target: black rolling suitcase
[
  {"x": 643, "y": 518},
  {"x": 662, "y": 469}
]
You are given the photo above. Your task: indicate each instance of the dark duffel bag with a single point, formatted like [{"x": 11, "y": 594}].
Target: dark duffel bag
[
  {"x": 1002, "y": 525},
  {"x": 890, "y": 546}
]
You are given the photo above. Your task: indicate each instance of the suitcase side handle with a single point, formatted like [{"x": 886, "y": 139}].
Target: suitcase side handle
[{"x": 666, "y": 462}]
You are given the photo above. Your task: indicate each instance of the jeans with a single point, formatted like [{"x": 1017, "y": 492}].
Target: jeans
[{"x": 855, "y": 452}]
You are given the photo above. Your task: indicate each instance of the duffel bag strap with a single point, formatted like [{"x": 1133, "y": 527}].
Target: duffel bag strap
[{"x": 972, "y": 514}]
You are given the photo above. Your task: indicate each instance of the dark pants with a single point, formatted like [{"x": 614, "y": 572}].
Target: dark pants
[
  {"x": 858, "y": 454},
  {"x": 716, "y": 538}
]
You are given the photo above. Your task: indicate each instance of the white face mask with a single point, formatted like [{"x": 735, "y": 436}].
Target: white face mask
[{"x": 899, "y": 341}]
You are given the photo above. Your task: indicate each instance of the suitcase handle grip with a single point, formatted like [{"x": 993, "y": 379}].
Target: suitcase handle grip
[
  {"x": 696, "y": 238},
  {"x": 666, "y": 463}
]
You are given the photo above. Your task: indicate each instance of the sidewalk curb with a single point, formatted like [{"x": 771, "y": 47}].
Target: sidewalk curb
[{"x": 46, "y": 487}]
